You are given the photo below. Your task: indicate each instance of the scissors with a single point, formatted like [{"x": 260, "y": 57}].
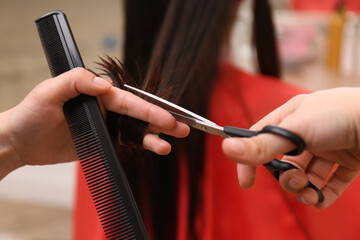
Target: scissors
[{"x": 183, "y": 115}]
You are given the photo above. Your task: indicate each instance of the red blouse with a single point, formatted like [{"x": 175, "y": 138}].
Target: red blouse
[
  {"x": 226, "y": 211},
  {"x": 324, "y": 5}
]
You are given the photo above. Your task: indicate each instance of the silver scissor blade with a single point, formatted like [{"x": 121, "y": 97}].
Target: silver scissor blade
[
  {"x": 169, "y": 106},
  {"x": 211, "y": 128}
]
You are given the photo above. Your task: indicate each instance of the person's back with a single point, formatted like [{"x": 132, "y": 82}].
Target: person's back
[
  {"x": 266, "y": 211},
  {"x": 224, "y": 210}
]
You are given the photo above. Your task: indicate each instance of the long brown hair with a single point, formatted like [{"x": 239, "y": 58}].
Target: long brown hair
[{"x": 176, "y": 43}]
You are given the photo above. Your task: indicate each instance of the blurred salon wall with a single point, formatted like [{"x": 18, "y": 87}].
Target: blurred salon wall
[
  {"x": 318, "y": 41},
  {"x": 97, "y": 27}
]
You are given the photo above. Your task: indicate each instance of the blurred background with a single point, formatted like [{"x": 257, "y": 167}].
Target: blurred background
[
  {"x": 319, "y": 42},
  {"x": 36, "y": 202}
]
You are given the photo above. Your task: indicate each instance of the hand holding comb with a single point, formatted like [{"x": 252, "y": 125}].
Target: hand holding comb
[{"x": 105, "y": 177}]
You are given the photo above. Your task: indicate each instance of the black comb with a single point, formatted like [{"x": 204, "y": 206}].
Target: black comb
[{"x": 110, "y": 191}]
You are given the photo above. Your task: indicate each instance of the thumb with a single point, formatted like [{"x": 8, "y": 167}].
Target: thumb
[
  {"x": 256, "y": 150},
  {"x": 70, "y": 84}
]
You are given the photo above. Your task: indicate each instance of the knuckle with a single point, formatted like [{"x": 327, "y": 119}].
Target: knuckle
[
  {"x": 124, "y": 103},
  {"x": 260, "y": 149},
  {"x": 152, "y": 116},
  {"x": 316, "y": 179},
  {"x": 152, "y": 110},
  {"x": 298, "y": 97},
  {"x": 80, "y": 73}
]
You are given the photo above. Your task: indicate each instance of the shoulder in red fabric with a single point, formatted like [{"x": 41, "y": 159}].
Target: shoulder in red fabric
[{"x": 265, "y": 211}]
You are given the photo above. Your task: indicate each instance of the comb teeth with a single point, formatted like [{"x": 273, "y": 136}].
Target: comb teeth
[
  {"x": 107, "y": 199},
  {"x": 104, "y": 175}
]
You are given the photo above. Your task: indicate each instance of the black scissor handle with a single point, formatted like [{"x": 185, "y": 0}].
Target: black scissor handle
[
  {"x": 276, "y": 166},
  {"x": 292, "y": 137}
]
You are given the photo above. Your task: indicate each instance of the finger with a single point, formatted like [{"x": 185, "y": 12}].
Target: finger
[
  {"x": 124, "y": 102},
  {"x": 336, "y": 185},
  {"x": 307, "y": 196},
  {"x": 301, "y": 161},
  {"x": 246, "y": 175},
  {"x": 69, "y": 85},
  {"x": 155, "y": 144},
  {"x": 180, "y": 130},
  {"x": 256, "y": 150},
  {"x": 295, "y": 180},
  {"x": 264, "y": 147},
  {"x": 317, "y": 172}
]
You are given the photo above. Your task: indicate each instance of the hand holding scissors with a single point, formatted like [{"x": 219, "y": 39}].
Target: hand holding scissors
[{"x": 275, "y": 166}]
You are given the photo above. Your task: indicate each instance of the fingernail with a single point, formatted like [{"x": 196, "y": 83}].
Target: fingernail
[
  {"x": 304, "y": 200},
  {"x": 295, "y": 184},
  {"x": 238, "y": 174},
  {"x": 100, "y": 82}
]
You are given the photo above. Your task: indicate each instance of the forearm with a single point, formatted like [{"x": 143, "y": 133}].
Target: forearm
[{"x": 8, "y": 157}]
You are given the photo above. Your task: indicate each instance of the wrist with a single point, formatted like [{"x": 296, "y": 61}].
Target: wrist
[{"x": 9, "y": 158}]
